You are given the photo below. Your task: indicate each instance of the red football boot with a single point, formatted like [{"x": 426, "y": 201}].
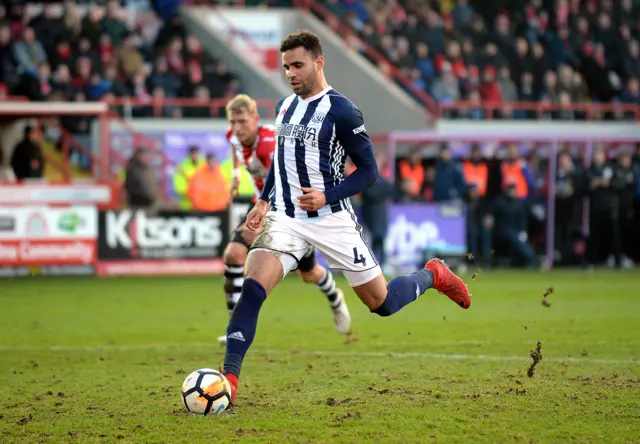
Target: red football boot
[
  {"x": 233, "y": 382},
  {"x": 446, "y": 282}
]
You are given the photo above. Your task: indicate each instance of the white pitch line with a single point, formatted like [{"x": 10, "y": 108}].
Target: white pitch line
[{"x": 214, "y": 347}]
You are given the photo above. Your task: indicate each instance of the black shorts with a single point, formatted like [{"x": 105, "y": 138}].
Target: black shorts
[{"x": 307, "y": 263}]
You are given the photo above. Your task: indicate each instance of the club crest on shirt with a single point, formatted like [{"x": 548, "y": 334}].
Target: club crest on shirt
[{"x": 317, "y": 118}]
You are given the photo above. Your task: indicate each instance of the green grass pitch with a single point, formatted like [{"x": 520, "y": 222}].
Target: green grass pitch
[{"x": 91, "y": 360}]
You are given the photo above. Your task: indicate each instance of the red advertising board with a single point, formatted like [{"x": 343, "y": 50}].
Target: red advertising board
[
  {"x": 18, "y": 253},
  {"x": 157, "y": 268},
  {"x": 32, "y": 236}
]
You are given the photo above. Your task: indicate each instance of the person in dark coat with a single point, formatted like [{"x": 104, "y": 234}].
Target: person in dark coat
[
  {"x": 140, "y": 182},
  {"x": 566, "y": 214},
  {"x": 27, "y": 160},
  {"x": 375, "y": 201},
  {"x": 602, "y": 208},
  {"x": 449, "y": 183},
  {"x": 624, "y": 184},
  {"x": 479, "y": 227},
  {"x": 510, "y": 215}
]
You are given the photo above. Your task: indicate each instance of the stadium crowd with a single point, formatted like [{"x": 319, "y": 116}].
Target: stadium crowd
[
  {"x": 96, "y": 51},
  {"x": 553, "y": 52}
]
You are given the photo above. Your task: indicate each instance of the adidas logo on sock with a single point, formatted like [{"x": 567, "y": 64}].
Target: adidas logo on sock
[{"x": 237, "y": 335}]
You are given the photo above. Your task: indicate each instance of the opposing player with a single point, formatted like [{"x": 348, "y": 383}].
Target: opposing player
[
  {"x": 305, "y": 204},
  {"x": 253, "y": 145}
]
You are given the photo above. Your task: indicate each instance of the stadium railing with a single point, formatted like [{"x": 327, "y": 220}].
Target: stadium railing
[{"x": 537, "y": 110}]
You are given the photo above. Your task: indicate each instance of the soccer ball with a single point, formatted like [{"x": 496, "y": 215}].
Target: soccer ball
[{"x": 206, "y": 391}]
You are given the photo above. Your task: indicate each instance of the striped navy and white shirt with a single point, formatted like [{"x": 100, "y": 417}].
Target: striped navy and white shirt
[{"x": 314, "y": 136}]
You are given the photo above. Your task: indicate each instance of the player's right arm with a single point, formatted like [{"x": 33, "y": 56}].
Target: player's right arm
[{"x": 261, "y": 208}]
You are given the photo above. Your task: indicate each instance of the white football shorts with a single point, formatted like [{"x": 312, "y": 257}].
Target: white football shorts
[{"x": 337, "y": 236}]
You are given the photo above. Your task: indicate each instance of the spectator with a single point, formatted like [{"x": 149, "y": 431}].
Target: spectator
[
  {"x": 140, "y": 183},
  {"x": 502, "y": 35},
  {"x": 479, "y": 227},
  {"x": 526, "y": 93},
  {"x": 28, "y": 52},
  {"x": 631, "y": 60},
  {"x": 163, "y": 78},
  {"x": 515, "y": 173},
  {"x": 566, "y": 209},
  {"x": 203, "y": 111},
  {"x": 566, "y": 111},
  {"x": 129, "y": 57},
  {"x": 446, "y": 89},
  {"x": 85, "y": 49},
  {"x": 174, "y": 57},
  {"x": 412, "y": 175},
  {"x": 469, "y": 55},
  {"x": 62, "y": 54},
  {"x": 510, "y": 216},
  {"x": 520, "y": 60},
  {"x": 208, "y": 189},
  {"x": 424, "y": 62},
  {"x": 92, "y": 24},
  {"x": 375, "y": 200},
  {"x": 114, "y": 23},
  {"x": 601, "y": 211},
  {"x": 462, "y": 14},
  {"x": 476, "y": 171},
  {"x": 489, "y": 88},
  {"x": 6, "y": 56},
  {"x": 550, "y": 87},
  {"x": 72, "y": 21},
  {"x": 449, "y": 183},
  {"x": 27, "y": 160},
  {"x": 454, "y": 59},
  {"x": 48, "y": 27},
  {"x": 429, "y": 183},
  {"x": 116, "y": 87},
  {"x": 631, "y": 94},
  {"x": 624, "y": 183},
  {"x": 183, "y": 174},
  {"x": 476, "y": 110},
  {"x": 508, "y": 88}
]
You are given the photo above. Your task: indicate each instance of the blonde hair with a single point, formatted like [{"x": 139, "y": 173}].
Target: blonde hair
[{"x": 240, "y": 103}]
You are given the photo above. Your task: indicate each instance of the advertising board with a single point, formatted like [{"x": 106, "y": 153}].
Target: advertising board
[
  {"x": 416, "y": 229},
  {"x": 167, "y": 242},
  {"x": 48, "y": 240}
]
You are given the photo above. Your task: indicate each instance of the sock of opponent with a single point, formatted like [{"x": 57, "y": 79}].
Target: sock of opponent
[
  {"x": 403, "y": 290},
  {"x": 327, "y": 285},
  {"x": 242, "y": 326},
  {"x": 233, "y": 280}
]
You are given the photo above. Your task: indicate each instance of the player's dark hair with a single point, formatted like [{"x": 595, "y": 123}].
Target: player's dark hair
[{"x": 305, "y": 39}]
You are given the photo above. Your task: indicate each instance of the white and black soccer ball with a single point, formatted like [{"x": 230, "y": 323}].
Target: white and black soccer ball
[{"x": 206, "y": 391}]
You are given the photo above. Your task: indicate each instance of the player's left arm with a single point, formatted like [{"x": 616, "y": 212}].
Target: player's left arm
[{"x": 352, "y": 135}]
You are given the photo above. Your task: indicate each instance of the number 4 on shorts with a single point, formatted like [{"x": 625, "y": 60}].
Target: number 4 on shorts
[{"x": 359, "y": 259}]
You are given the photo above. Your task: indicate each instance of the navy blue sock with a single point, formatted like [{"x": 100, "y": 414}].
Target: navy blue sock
[
  {"x": 242, "y": 326},
  {"x": 403, "y": 290}
]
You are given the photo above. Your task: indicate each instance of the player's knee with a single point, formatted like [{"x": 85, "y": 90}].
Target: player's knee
[
  {"x": 309, "y": 277},
  {"x": 265, "y": 268},
  {"x": 235, "y": 254}
]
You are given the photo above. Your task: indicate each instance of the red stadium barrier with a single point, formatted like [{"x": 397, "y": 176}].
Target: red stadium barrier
[{"x": 591, "y": 111}]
